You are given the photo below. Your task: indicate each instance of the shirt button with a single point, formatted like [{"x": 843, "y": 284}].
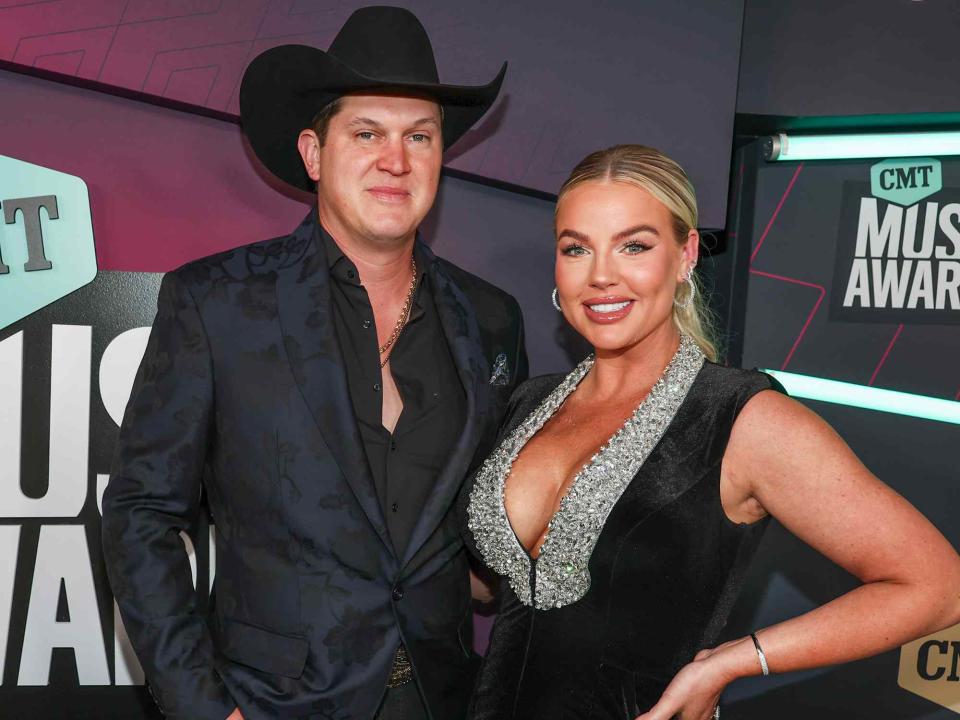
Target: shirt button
[
  {"x": 366, "y": 324},
  {"x": 397, "y": 594},
  {"x": 393, "y": 445},
  {"x": 394, "y": 507},
  {"x": 351, "y": 274},
  {"x": 376, "y": 387}
]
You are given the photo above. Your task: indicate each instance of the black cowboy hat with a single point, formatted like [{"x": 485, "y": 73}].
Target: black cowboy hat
[{"x": 378, "y": 48}]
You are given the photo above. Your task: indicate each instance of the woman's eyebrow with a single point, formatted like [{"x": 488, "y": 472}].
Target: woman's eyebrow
[
  {"x": 636, "y": 230},
  {"x": 580, "y": 237}
]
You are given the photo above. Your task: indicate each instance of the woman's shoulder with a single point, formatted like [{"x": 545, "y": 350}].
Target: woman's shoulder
[
  {"x": 720, "y": 393},
  {"x": 738, "y": 381}
]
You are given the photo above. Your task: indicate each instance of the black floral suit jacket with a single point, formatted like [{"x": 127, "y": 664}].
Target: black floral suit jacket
[{"x": 242, "y": 397}]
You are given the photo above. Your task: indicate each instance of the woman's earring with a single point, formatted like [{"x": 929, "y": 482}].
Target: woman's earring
[
  {"x": 556, "y": 301},
  {"x": 693, "y": 290}
]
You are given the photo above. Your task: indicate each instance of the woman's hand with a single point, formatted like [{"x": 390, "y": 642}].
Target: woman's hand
[{"x": 694, "y": 692}]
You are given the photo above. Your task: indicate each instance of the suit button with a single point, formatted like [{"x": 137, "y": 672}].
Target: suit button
[{"x": 397, "y": 594}]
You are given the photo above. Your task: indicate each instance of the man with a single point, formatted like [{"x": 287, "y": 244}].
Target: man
[{"x": 327, "y": 392}]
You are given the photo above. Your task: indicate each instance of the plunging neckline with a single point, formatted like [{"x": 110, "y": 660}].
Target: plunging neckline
[
  {"x": 576, "y": 476},
  {"x": 559, "y": 574},
  {"x": 588, "y": 363}
]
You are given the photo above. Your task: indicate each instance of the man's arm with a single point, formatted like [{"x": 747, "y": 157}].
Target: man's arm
[{"x": 153, "y": 494}]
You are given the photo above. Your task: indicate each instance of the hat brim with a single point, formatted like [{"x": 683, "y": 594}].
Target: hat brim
[{"x": 285, "y": 87}]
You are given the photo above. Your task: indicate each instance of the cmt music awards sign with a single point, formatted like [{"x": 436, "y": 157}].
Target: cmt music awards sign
[
  {"x": 70, "y": 344},
  {"x": 898, "y": 261},
  {"x": 898, "y": 246}
]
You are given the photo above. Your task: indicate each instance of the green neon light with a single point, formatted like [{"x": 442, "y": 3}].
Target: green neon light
[
  {"x": 874, "y": 145},
  {"x": 870, "y": 398}
]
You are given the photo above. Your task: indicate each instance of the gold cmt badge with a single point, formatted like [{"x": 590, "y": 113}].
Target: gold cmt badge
[{"x": 930, "y": 668}]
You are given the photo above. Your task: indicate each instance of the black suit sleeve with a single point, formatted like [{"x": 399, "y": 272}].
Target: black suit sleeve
[{"x": 153, "y": 494}]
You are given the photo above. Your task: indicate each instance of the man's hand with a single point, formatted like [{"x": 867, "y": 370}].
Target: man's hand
[{"x": 236, "y": 715}]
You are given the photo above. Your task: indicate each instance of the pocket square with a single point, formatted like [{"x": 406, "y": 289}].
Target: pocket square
[{"x": 501, "y": 373}]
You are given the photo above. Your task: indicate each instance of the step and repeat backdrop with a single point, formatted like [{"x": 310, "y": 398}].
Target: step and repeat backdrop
[
  {"x": 581, "y": 75},
  {"x": 854, "y": 276},
  {"x": 65, "y": 374}
]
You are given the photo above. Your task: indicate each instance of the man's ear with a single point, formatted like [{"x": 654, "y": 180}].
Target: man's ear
[{"x": 309, "y": 146}]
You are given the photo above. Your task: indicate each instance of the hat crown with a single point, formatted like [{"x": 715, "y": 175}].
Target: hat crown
[{"x": 386, "y": 43}]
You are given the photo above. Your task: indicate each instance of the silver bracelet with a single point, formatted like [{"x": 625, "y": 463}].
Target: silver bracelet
[{"x": 763, "y": 658}]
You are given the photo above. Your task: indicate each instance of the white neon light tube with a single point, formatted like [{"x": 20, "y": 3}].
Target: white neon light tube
[
  {"x": 870, "y": 398},
  {"x": 874, "y": 145}
]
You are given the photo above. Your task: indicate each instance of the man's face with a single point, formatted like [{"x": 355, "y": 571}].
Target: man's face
[{"x": 378, "y": 171}]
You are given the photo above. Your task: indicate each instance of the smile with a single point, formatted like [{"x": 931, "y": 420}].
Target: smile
[
  {"x": 609, "y": 307},
  {"x": 608, "y": 310}
]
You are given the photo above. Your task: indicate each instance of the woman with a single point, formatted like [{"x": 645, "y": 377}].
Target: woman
[{"x": 625, "y": 500}]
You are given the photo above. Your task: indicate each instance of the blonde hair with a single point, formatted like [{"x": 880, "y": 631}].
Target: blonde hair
[{"x": 651, "y": 170}]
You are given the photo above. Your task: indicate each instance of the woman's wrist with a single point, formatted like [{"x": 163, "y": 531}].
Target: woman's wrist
[{"x": 735, "y": 659}]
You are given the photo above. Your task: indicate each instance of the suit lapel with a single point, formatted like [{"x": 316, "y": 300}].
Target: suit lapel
[
  {"x": 462, "y": 333},
  {"x": 309, "y": 336}
]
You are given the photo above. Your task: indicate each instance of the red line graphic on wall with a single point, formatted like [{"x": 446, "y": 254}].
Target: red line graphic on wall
[
  {"x": 886, "y": 353},
  {"x": 795, "y": 281}
]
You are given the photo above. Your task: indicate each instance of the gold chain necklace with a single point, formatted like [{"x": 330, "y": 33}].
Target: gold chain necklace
[{"x": 404, "y": 315}]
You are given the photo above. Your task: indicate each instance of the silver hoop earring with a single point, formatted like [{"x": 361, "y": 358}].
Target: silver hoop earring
[
  {"x": 556, "y": 302},
  {"x": 693, "y": 292}
]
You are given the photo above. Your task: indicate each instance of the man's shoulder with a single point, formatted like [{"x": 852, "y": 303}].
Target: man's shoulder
[{"x": 258, "y": 260}]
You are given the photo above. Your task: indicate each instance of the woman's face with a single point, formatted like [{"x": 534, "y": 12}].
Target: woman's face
[{"x": 618, "y": 263}]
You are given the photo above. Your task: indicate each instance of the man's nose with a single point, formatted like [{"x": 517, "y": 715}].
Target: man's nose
[{"x": 393, "y": 157}]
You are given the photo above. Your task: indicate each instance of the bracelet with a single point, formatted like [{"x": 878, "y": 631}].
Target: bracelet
[{"x": 763, "y": 658}]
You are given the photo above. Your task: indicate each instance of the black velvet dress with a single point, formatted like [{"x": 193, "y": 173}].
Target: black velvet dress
[{"x": 640, "y": 566}]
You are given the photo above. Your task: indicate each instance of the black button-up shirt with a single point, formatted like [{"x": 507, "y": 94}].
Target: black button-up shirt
[{"x": 406, "y": 463}]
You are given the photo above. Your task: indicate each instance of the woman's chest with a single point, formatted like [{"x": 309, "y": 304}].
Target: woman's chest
[{"x": 548, "y": 464}]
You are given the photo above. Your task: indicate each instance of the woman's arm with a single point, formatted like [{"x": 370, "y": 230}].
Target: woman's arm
[{"x": 782, "y": 459}]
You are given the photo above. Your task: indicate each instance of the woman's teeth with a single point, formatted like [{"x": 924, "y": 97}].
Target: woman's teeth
[{"x": 609, "y": 307}]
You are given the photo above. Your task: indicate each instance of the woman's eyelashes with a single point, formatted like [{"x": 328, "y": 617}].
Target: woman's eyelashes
[
  {"x": 631, "y": 247},
  {"x": 635, "y": 247},
  {"x": 573, "y": 250}
]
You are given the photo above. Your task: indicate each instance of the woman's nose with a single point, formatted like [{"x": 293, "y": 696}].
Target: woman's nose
[{"x": 603, "y": 273}]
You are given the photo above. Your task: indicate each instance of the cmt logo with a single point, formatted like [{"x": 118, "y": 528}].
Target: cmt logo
[
  {"x": 906, "y": 182},
  {"x": 46, "y": 238},
  {"x": 930, "y": 668}
]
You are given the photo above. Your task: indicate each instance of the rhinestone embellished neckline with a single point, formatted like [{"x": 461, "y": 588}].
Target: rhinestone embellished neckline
[{"x": 561, "y": 568}]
